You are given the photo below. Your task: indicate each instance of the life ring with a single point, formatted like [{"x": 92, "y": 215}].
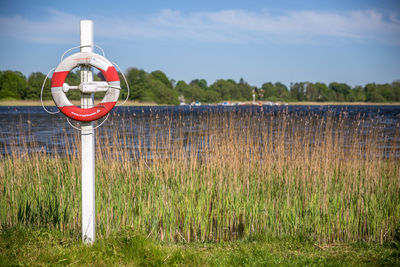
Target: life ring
[{"x": 109, "y": 73}]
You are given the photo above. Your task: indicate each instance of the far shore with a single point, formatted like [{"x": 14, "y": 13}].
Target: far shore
[
  {"x": 75, "y": 102},
  {"x": 136, "y": 103},
  {"x": 306, "y": 103}
]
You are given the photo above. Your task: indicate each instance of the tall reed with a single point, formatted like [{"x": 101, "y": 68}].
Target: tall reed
[{"x": 217, "y": 176}]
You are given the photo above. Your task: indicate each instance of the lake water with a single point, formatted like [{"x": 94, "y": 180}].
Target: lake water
[{"x": 31, "y": 129}]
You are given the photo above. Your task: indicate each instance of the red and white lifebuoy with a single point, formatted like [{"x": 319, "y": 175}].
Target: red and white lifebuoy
[{"x": 109, "y": 73}]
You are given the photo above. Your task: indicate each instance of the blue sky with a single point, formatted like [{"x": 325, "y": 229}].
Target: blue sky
[{"x": 355, "y": 42}]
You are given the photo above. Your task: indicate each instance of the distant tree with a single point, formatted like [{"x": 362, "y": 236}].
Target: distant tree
[
  {"x": 137, "y": 83},
  {"x": 246, "y": 91},
  {"x": 282, "y": 91},
  {"x": 311, "y": 91},
  {"x": 182, "y": 87},
  {"x": 234, "y": 90},
  {"x": 356, "y": 95},
  {"x": 162, "y": 94},
  {"x": 341, "y": 90},
  {"x": 200, "y": 83},
  {"x": 324, "y": 94},
  {"x": 222, "y": 87},
  {"x": 274, "y": 92},
  {"x": 35, "y": 82},
  {"x": 268, "y": 91},
  {"x": 387, "y": 92},
  {"x": 13, "y": 85},
  {"x": 396, "y": 90},
  {"x": 211, "y": 96},
  {"x": 157, "y": 87},
  {"x": 185, "y": 90},
  {"x": 198, "y": 94},
  {"x": 229, "y": 90},
  {"x": 159, "y": 75},
  {"x": 372, "y": 93},
  {"x": 298, "y": 91}
]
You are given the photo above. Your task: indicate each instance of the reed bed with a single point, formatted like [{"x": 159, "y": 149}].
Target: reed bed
[{"x": 215, "y": 177}]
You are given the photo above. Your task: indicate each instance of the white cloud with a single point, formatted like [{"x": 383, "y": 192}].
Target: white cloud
[
  {"x": 58, "y": 28},
  {"x": 223, "y": 26}
]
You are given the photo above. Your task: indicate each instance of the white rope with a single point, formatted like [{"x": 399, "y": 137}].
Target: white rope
[
  {"x": 76, "y": 47},
  {"x": 41, "y": 94},
  {"x": 126, "y": 82},
  {"x": 79, "y": 129},
  {"x": 73, "y": 126}
]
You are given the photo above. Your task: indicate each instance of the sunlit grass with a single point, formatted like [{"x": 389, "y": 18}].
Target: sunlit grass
[{"x": 43, "y": 247}]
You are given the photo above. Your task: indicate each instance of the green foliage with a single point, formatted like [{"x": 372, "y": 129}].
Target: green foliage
[
  {"x": 211, "y": 97},
  {"x": 382, "y": 92},
  {"x": 341, "y": 90},
  {"x": 200, "y": 83},
  {"x": 198, "y": 90},
  {"x": 159, "y": 75},
  {"x": 298, "y": 91},
  {"x": 356, "y": 95},
  {"x": 230, "y": 90},
  {"x": 246, "y": 91},
  {"x": 184, "y": 90},
  {"x": 160, "y": 93},
  {"x": 157, "y": 87},
  {"x": 13, "y": 85},
  {"x": 277, "y": 91},
  {"x": 225, "y": 88},
  {"x": 154, "y": 87},
  {"x": 137, "y": 82},
  {"x": 35, "y": 82},
  {"x": 324, "y": 94}
]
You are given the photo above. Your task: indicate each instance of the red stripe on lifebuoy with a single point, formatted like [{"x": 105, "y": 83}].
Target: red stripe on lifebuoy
[
  {"x": 111, "y": 75},
  {"x": 87, "y": 114},
  {"x": 61, "y": 100},
  {"x": 58, "y": 78}
]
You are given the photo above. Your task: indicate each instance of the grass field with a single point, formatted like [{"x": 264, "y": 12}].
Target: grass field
[
  {"x": 253, "y": 186},
  {"x": 27, "y": 247}
]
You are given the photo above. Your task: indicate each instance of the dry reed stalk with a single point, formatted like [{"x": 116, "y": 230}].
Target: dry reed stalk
[{"x": 217, "y": 177}]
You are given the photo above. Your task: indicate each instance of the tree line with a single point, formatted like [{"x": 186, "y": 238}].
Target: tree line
[{"x": 157, "y": 87}]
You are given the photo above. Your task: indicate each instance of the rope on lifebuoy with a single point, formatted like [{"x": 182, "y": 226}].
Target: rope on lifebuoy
[
  {"x": 41, "y": 94},
  {"x": 126, "y": 82}
]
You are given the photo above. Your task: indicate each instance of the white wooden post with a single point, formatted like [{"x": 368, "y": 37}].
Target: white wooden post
[{"x": 88, "y": 144}]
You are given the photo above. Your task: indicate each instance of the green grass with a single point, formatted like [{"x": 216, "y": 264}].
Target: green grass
[
  {"x": 41, "y": 247},
  {"x": 183, "y": 204}
]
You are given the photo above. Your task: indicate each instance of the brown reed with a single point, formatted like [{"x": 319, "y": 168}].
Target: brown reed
[{"x": 217, "y": 176}]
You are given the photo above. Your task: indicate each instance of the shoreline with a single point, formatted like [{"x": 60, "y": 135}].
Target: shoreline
[
  {"x": 306, "y": 103},
  {"x": 131, "y": 103},
  {"x": 34, "y": 103}
]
